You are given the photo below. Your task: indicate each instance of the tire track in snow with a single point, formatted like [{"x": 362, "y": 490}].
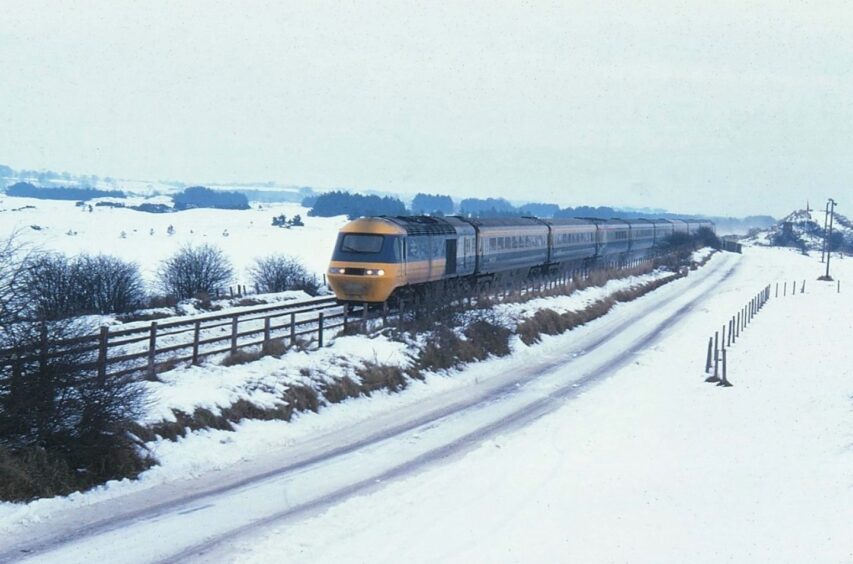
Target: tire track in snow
[{"x": 56, "y": 541}]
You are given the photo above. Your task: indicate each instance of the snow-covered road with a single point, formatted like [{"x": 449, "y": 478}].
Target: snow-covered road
[
  {"x": 508, "y": 469},
  {"x": 193, "y": 518}
]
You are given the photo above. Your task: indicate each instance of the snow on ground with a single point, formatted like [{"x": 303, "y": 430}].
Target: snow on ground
[
  {"x": 213, "y": 387},
  {"x": 653, "y": 465},
  {"x": 243, "y": 235}
]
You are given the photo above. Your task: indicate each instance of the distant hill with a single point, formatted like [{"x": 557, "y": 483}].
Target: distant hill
[{"x": 804, "y": 230}]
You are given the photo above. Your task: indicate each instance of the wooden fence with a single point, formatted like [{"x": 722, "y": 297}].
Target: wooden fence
[{"x": 150, "y": 348}]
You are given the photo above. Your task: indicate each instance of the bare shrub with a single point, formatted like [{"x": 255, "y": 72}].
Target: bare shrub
[
  {"x": 15, "y": 262},
  {"x": 50, "y": 287},
  {"x": 60, "y": 287},
  {"x": 67, "y": 429},
  {"x": 158, "y": 301},
  {"x": 106, "y": 284},
  {"x": 195, "y": 269},
  {"x": 278, "y": 273}
]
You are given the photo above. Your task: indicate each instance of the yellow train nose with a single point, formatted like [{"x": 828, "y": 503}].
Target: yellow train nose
[{"x": 363, "y": 283}]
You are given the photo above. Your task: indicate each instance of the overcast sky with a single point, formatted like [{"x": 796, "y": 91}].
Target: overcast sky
[{"x": 722, "y": 108}]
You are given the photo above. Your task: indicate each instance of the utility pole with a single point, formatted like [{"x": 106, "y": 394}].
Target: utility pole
[
  {"x": 825, "y": 237},
  {"x": 829, "y": 237}
]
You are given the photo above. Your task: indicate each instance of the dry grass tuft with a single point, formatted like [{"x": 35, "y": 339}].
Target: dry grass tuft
[
  {"x": 380, "y": 377},
  {"x": 242, "y": 356}
]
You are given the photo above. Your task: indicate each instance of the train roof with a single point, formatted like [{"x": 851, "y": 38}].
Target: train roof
[
  {"x": 563, "y": 221},
  {"x": 504, "y": 221},
  {"x": 423, "y": 224}
]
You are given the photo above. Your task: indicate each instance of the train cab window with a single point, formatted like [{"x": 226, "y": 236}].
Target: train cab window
[
  {"x": 353, "y": 243},
  {"x": 368, "y": 247}
]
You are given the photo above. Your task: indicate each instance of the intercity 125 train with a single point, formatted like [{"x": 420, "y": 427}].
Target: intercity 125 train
[{"x": 376, "y": 258}]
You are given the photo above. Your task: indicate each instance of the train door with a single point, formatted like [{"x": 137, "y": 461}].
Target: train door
[
  {"x": 403, "y": 251},
  {"x": 450, "y": 257}
]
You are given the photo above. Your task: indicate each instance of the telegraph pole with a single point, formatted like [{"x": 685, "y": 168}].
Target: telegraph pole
[
  {"x": 829, "y": 237},
  {"x": 825, "y": 239}
]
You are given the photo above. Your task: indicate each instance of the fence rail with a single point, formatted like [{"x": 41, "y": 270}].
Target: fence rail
[{"x": 145, "y": 348}]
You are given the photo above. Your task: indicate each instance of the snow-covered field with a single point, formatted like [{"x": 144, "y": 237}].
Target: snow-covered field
[
  {"x": 242, "y": 235},
  {"x": 651, "y": 464}
]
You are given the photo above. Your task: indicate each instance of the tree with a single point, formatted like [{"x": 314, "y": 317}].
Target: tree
[
  {"x": 195, "y": 270},
  {"x": 202, "y": 197},
  {"x": 331, "y": 204},
  {"x": 432, "y": 204},
  {"x": 490, "y": 207},
  {"x": 61, "y": 428},
  {"x": 58, "y": 287},
  {"x": 278, "y": 273},
  {"x": 107, "y": 284}
]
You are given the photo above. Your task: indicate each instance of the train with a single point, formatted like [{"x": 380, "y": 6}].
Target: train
[{"x": 387, "y": 257}]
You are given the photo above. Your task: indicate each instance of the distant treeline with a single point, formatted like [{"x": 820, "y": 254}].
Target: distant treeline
[
  {"x": 201, "y": 197},
  {"x": 192, "y": 197},
  {"x": 27, "y": 190},
  {"x": 335, "y": 203}
]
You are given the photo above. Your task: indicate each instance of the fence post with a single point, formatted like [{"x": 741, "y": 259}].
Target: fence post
[
  {"x": 152, "y": 348},
  {"x": 785, "y": 289},
  {"x": 102, "y": 355},
  {"x": 803, "y": 288},
  {"x": 267, "y": 324},
  {"x": 384, "y": 313},
  {"x": 715, "y": 377},
  {"x": 292, "y": 329},
  {"x": 320, "y": 331},
  {"x": 731, "y": 331},
  {"x": 737, "y": 331},
  {"x": 708, "y": 358},
  {"x": 777, "y": 289},
  {"x": 723, "y": 340},
  {"x": 725, "y": 381},
  {"x": 234, "y": 321},
  {"x": 196, "y": 333},
  {"x": 364, "y": 315},
  {"x": 839, "y": 286}
]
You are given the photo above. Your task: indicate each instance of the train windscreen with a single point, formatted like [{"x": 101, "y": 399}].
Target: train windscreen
[{"x": 351, "y": 243}]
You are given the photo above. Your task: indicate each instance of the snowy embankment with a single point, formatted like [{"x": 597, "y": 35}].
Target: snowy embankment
[
  {"x": 213, "y": 387},
  {"x": 652, "y": 465}
]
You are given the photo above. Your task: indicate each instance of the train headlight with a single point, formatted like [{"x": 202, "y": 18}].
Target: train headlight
[
  {"x": 374, "y": 272},
  {"x": 380, "y": 272},
  {"x": 338, "y": 270}
]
